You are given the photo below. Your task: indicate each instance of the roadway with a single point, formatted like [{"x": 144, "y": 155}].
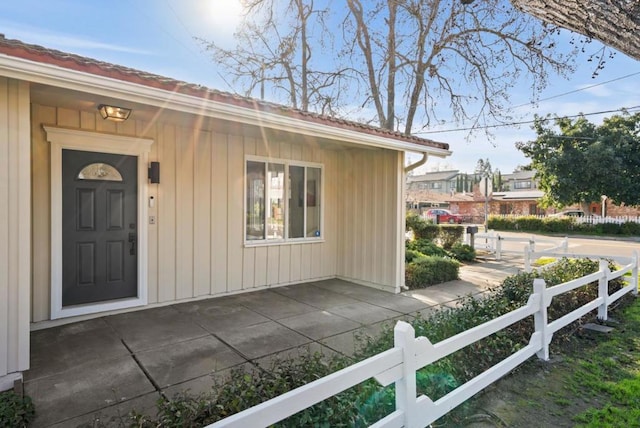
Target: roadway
[{"x": 602, "y": 246}]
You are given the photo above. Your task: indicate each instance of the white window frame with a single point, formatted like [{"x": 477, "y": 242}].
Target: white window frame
[{"x": 286, "y": 239}]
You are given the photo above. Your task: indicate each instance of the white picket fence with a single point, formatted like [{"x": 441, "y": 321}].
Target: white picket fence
[
  {"x": 409, "y": 354},
  {"x": 493, "y": 243},
  {"x": 590, "y": 219}
]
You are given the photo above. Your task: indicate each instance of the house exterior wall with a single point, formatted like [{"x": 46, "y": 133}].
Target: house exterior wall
[
  {"x": 196, "y": 248},
  {"x": 15, "y": 230},
  {"x": 370, "y": 208}
]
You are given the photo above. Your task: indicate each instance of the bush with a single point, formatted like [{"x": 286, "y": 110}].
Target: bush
[
  {"x": 430, "y": 270},
  {"x": 463, "y": 252},
  {"x": 15, "y": 410},
  {"x": 421, "y": 228},
  {"x": 426, "y": 247},
  {"x": 411, "y": 255},
  {"x": 448, "y": 235}
]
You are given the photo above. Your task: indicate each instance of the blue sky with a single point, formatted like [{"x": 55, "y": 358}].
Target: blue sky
[{"x": 157, "y": 36}]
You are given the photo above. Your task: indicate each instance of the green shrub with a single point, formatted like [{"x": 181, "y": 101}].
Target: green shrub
[
  {"x": 448, "y": 235},
  {"x": 426, "y": 247},
  {"x": 430, "y": 270},
  {"x": 421, "y": 228},
  {"x": 463, "y": 252},
  {"x": 15, "y": 410},
  {"x": 411, "y": 255}
]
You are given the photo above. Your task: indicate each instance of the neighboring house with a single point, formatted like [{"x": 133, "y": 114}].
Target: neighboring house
[
  {"x": 519, "y": 181},
  {"x": 442, "y": 182},
  {"x": 250, "y": 195},
  {"x": 520, "y": 203}
]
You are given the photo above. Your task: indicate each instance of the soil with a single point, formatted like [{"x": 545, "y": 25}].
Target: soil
[{"x": 537, "y": 394}]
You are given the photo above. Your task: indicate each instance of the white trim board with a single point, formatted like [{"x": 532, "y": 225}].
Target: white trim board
[
  {"x": 23, "y": 69},
  {"x": 64, "y": 138}
]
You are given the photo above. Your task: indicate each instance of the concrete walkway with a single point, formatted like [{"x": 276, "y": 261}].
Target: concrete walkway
[{"x": 108, "y": 366}]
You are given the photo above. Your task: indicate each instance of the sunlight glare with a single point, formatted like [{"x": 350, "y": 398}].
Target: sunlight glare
[{"x": 224, "y": 16}]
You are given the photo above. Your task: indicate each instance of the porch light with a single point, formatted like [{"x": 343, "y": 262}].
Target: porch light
[{"x": 117, "y": 114}]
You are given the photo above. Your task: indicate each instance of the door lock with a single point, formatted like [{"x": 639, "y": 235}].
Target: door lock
[{"x": 132, "y": 243}]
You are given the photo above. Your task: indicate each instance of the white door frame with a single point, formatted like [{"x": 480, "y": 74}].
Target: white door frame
[{"x": 64, "y": 138}]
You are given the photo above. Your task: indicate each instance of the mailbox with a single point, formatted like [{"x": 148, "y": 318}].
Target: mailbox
[{"x": 472, "y": 229}]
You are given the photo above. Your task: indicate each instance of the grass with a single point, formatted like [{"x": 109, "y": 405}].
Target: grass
[
  {"x": 612, "y": 369},
  {"x": 592, "y": 380}
]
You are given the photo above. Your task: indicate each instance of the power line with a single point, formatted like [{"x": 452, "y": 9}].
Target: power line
[
  {"x": 577, "y": 90},
  {"x": 525, "y": 122}
]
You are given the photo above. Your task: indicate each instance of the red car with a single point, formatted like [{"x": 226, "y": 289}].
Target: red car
[{"x": 439, "y": 215}]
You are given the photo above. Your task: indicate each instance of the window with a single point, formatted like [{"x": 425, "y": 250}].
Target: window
[
  {"x": 99, "y": 171},
  {"x": 283, "y": 200},
  {"x": 522, "y": 185},
  {"x": 436, "y": 185}
]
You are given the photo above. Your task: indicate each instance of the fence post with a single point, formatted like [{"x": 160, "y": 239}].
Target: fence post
[
  {"x": 404, "y": 337},
  {"x": 532, "y": 242},
  {"x": 634, "y": 273},
  {"x": 540, "y": 318},
  {"x": 527, "y": 259},
  {"x": 603, "y": 290},
  {"x": 498, "y": 248}
]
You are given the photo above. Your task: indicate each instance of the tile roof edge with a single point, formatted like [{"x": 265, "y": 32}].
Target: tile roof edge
[{"x": 70, "y": 61}]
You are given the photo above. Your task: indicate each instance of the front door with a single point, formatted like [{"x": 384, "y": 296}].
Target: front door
[{"x": 99, "y": 227}]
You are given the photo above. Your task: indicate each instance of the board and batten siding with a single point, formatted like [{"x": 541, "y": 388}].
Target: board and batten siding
[
  {"x": 196, "y": 247},
  {"x": 370, "y": 214},
  {"x": 15, "y": 230}
]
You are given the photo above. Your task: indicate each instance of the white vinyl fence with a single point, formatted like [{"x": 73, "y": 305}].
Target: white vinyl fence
[
  {"x": 493, "y": 243},
  {"x": 409, "y": 354}
]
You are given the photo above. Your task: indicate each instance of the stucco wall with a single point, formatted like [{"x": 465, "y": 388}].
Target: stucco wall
[
  {"x": 15, "y": 229},
  {"x": 196, "y": 247}
]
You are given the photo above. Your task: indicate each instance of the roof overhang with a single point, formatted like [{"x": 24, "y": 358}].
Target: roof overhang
[{"x": 47, "y": 74}]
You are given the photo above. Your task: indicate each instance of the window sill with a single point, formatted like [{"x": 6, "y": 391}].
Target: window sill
[{"x": 273, "y": 243}]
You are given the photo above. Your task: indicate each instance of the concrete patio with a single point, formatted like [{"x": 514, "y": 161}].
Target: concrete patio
[{"x": 107, "y": 366}]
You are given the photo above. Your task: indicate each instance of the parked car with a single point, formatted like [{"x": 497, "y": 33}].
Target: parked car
[
  {"x": 443, "y": 216},
  {"x": 569, "y": 213}
]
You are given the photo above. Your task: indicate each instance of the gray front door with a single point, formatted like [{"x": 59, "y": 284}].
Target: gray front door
[{"x": 99, "y": 227}]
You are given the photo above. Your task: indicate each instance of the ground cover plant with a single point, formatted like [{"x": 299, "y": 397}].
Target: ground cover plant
[
  {"x": 15, "y": 410},
  {"x": 368, "y": 402}
]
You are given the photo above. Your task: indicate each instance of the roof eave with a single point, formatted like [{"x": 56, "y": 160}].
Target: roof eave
[{"x": 23, "y": 69}]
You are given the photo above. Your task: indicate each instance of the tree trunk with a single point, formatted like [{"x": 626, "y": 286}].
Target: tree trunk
[{"x": 615, "y": 23}]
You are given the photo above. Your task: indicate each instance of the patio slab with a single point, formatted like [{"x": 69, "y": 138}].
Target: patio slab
[
  {"x": 154, "y": 328},
  {"x": 364, "y": 313},
  {"x": 273, "y": 305},
  {"x": 86, "y": 388},
  {"x": 107, "y": 366},
  {"x": 258, "y": 340},
  {"x": 188, "y": 360},
  {"x": 59, "y": 349},
  {"x": 319, "y": 324}
]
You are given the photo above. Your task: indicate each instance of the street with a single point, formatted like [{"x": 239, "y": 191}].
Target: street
[{"x": 604, "y": 246}]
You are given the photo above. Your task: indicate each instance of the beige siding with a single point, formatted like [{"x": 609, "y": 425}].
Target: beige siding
[
  {"x": 196, "y": 247},
  {"x": 15, "y": 227},
  {"x": 368, "y": 217}
]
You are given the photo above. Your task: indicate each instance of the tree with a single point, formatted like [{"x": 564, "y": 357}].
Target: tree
[
  {"x": 582, "y": 161},
  {"x": 274, "y": 49},
  {"x": 615, "y": 23},
  {"x": 408, "y": 61}
]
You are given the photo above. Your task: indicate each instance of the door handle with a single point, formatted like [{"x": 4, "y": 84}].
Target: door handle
[{"x": 132, "y": 243}]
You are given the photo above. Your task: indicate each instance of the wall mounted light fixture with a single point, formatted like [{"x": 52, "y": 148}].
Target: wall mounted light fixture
[
  {"x": 154, "y": 172},
  {"x": 117, "y": 114}
]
